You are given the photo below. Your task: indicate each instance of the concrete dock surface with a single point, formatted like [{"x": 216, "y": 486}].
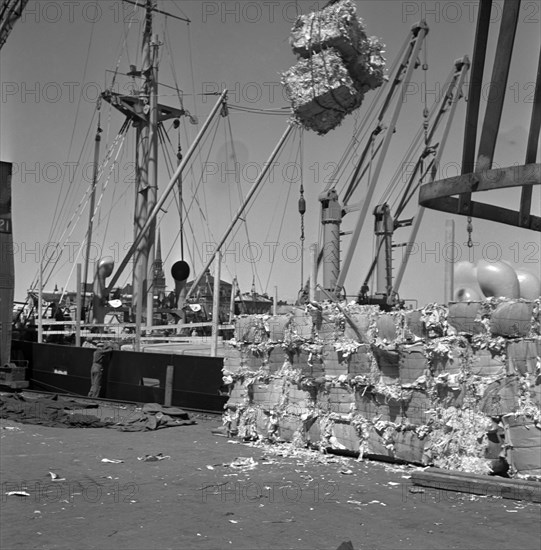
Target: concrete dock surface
[{"x": 188, "y": 488}]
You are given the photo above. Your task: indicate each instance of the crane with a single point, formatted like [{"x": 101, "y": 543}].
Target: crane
[{"x": 11, "y": 11}]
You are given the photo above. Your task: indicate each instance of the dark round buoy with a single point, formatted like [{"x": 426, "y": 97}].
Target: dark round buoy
[{"x": 180, "y": 270}]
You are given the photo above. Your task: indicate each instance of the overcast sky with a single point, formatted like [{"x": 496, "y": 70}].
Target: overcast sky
[{"x": 54, "y": 65}]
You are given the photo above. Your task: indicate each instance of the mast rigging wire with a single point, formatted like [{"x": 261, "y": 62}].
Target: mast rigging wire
[
  {"x": 96, "y": 210},
  {"x": 78, "y": 213},
  {"x": 73, "y": 129},
  {"x": 253, "y": 267}
]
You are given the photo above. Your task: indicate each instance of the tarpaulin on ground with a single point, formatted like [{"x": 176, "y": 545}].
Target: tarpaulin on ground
[
  {"x": 61, "y": 412},
  {"x": 48, "y": 411},
  {"x": 153, "y": 416}
]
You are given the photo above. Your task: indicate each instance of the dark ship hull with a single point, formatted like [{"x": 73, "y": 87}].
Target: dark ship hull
[{"x": 193, "y": 382}]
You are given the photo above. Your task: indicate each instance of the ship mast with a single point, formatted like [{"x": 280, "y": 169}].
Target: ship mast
[
  {"x": 148, "y": 170},
  {"x": 145, "y": 114}
]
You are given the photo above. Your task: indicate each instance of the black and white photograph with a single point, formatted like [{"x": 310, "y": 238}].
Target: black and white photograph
[{"x": 299, "y": 241}]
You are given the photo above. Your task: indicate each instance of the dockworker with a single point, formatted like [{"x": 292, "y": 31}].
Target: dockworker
[{"x": 99, "y": 362}]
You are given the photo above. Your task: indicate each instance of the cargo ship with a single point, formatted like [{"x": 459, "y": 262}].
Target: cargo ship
[{"x": 169, "y": 348}]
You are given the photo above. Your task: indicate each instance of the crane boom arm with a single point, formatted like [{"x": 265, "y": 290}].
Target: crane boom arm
[{"x": 10, "y": 12}]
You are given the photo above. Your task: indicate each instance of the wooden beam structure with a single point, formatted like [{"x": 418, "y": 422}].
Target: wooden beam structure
[
  {"x": 498, "y": 84},
  {"x": 454, "y": 195},
  {"x": 438, "y": 195}
]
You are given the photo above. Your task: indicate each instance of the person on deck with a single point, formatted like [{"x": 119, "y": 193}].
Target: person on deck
[{"x": 100, "y": 360}]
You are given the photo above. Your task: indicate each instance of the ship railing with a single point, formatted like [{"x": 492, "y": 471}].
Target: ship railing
[{"x": 127, "y": 330}]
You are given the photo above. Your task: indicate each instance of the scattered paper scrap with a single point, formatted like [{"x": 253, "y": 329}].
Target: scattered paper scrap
[
  {"x": 153, "y": 458},
  {"x": 17, "y": 494},
  {"x": 56, "y": 477},
  {"x": 112, "y": 460},
  {"x": 246, "y": 463}
]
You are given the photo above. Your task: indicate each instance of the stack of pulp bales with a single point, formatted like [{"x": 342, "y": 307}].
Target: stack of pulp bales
[
  {"x": 337, "y": 65},
  {"x": 407, "y": 386}
]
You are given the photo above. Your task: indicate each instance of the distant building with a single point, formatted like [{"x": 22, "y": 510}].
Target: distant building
[
  {"x": 158, "y": 276},
  {"x": 203, "y": 296}
]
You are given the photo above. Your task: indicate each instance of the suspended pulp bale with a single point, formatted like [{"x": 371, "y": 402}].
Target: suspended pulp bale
[
  {"x": 321, "y": 91},
  {"x": 335, "y": 26},
  {"x": 367, "y": 68}
]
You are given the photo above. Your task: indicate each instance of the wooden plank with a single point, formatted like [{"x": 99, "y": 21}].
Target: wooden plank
[
  {"x": 485, "y": 180},
  {"x": 483, "y": 211},
  {"x": 168, "y": 397},
  {"x": 498, "y": 84},
  {"x": 438, "y": 195},
  {"x": 450, "y": 480}
]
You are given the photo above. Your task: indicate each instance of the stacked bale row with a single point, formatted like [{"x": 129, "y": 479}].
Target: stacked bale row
[
  {"x": 337, "y": 65},
  {"x": 450, "y": 387}
]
